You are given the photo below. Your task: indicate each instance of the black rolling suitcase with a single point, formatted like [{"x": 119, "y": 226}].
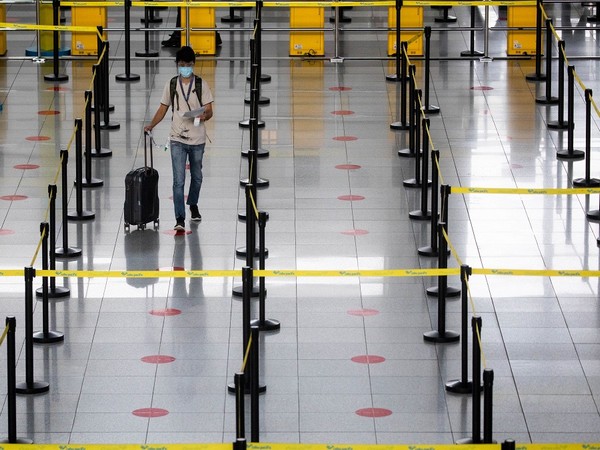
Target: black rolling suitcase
[{"x": 141, "y": 193}]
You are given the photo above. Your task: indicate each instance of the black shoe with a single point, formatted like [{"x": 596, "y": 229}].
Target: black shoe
[
  {"x": 196, "y": 217},
  {"x": 173, "y": 41},
  {"x": 218, "y": 40},
  {"x": 180, "y": 225}
]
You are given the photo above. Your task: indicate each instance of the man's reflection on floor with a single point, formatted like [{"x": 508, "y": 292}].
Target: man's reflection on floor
[{"x": 187, "y": 287}]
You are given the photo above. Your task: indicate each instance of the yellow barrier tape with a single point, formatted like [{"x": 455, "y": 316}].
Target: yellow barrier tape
[
  {"x": 539, "y": 272},
  {"x": 415, "y": 37},
  {"x": 358, "y": 273},
  {"x": 543, "y": 10},
  {"x": 12, "y": 273},
  {"x": 333, "y": 3},
  {"x": 26, "y": 26},
  {"x": 579, "y": 81},
  {"x": 452, "y": 249},
  {"x": 525, "y": 191},
  {"x": 139, "y": 273},
  {"x": 4, "y": 333},
  {"x": 39, "y": 245},
  {"x": 254, "y": 207},
  {"x": 246, "y": 354},
  {"x": 595, "y": 106}
]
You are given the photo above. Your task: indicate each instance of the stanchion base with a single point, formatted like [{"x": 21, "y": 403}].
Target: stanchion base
[
  {"x": 447, "y": 19},
  {"x": 70, "y": 252},
  {"x": 111, "y": 108},
  {"x": 395, "y": 78},
  {"x": 238, "y": 291},
  {"x": 460, "y": 387},
  {"x": 16, "y": 441},
  {"x": 57, "y": 292},
  {"x": 56, "y": 78},
  {"x": 468, "y": 441},
  {"x": 419, "y": 215},
  {"x": 406, "y": 153},
  {"x": 451, "y": 291},
  {"x": 103, "y": 153},
  {"x": 261, "y": 101},
  {"x": 109, "y": 126},
  {"x": 260, "y": 153},
  {"x": 51, "y": 337},
  {"x": 85, "y": 215},
  {"x": 470, "y": 53},
  {"x": 232, "y": 19},
  {"x": 535, "y": 77},
  {"x": 447, "y": 337},
  {"x": 429, "y": 251},
  {"x": 572, "y": 155},
  {"x": 260, "y": 182},
  {"x": 556, "y": 125},
  {"x": 593, "y": 215},
  {"x": 37, "y": 387},
  {"x": 147, "y": 54},
  {"x": 246, "y": 123},
  {"x": 432, "y": 109},
  {"x": 241, "y": 252},
  {"x": 261, "y": 389},
  {"x": 93, "y": 183},
  {"x": 411, "y": 183},
  {"x": 546, "y": 100},
  {"x": 583, "y": 182},
  {"x": 127, "y": 77},
  {"x": 264, "y": 78},
  {"x": 399, "y": 126},
  {"x": 268, "y": 325}
]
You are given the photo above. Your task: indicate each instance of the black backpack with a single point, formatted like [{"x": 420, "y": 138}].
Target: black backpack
[{"x": 174, "y": 94}]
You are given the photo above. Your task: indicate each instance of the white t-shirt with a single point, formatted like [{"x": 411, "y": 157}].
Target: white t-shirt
[{"x": 182, "y": 128}]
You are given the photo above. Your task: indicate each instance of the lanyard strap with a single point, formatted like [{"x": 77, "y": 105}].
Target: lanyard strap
[{"x": 189, "y": 91}]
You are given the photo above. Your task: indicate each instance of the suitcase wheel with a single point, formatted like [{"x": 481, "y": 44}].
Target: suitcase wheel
[
  {"x": 156, "y": 224},
  {"x": 126, "y": 226},
  {"x": 142, "y": 226}
]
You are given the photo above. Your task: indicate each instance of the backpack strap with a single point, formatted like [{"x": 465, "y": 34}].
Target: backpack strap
[
  {"x": 175, "y": 95},
  {"x": 198, "y": 88}
]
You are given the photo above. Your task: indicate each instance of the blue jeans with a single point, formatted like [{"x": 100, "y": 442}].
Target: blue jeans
[{"x": 180, "y": 153}]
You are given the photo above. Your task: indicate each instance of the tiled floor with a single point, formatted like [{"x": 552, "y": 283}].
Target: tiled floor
[{"x": 540, "y": 335}]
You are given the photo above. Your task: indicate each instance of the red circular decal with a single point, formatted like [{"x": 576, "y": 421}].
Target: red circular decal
[
  {"x": 150, "y": 412},
  {"x": 6, "y": 232},
  {"x": 482, "y": 88},
  {"x": 368, "y": 359},
  {"x": 351, "y": 198},
  {"x": 50, "y": 112},
  {"x": 158, "y": 359},
  {"x": 342, "y": 112},
  {"x": 13, "y": 197},
  {"x": 177, "y": 232},
  {"x": 340, "y": 88},
  {"x": 363, "y": 312},
  {"x": 355, "y": 232},
  {"x": 165, "y": 312},
  {"x": 345, "y": 138},
  {"x": 26, "y": 166},
  {"x": 374, "y": 412},
  {"x": 348, "y": 166},
  {"x": 37, "y": 138}
]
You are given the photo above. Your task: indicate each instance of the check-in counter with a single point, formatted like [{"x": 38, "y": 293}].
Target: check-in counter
[
  {"x": 521, "y": 42},
  {"x": 410, "y": 17},
  {"x": 203, "y": 42},
  {"x": 85, "y": 43},
  {"x": 307, "y": 42}
]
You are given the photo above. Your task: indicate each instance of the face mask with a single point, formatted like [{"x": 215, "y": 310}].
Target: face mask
[{"x": 186, "y": 72}]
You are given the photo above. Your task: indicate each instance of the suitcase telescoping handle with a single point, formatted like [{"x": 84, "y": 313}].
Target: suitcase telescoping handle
[{"x": 148, "y": 136}]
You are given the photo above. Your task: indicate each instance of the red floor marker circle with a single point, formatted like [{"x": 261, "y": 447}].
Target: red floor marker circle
[
  {"x": 363, "y": 312},
  {"x": 351, "y": 198},
  {"x": 49, "y": 112},
  {"x": 165, "y": 312},
  {"x": 342, "y": 112},
  {"x": 57, "y": 89},
  {"x": 368, "y": 359},
  {"x": 177, "y": 232},
  {"x": 482, "y": 88},
  {"x": 26, "y": 166},
  {"x": 373, "y": 412},
  {"x": 37, "y": 138},
  {"x": 345, "y": 138},
  {"x": 158, "y": 359},
  {"x": 348, "y": 166},
  {"x": 169, "y": 269},
  {"x": 355, "y": 232},
  {"x": 150, "y": 412},
  {"x": 6, "y": 232},
  {"x": 340, "y": 88},
  {"x": 13, "y": 197}
]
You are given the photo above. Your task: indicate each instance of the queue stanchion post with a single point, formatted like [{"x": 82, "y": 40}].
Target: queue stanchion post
[
  {"x": 79, "y": 214},
  {"x": 147, "y": 53},
  {"x": 128, "y": 76},
  {"x": 251, "y": 155},
  {"x": 263, "y": 323},
  {"x": 446, "y": 17},
  {"x": 399, "y": 56},
  {"x": 450, "y": 291},
  {"x": 99, "y": 151},
  {"x": 463, "y": 385},
  {"x": 241, "y": 444},
  {"x": 11, "y": 381},
  {"x": 424, "y": 213},
  {"x": 107, "y": 124},
  {"x": 508, "y": 444},
  {"x": 89, "y": 181},
  {"x": 538, "y": 75},
  {"x": 588, "y": 181},
  {"x": 56, "y": 76},
  {"x": 250, "y": 249},
  {"x": 46, "y": 336},
  {"x": 570, "y": 153},
  {"x": 472, "y": 52},
  {"x": 428, "y": 107},
  {"x": 255, "y": 386},
  {"x": 262, "y": 77},
  {"x": 560, "y": 123},
  {"x": 101, "y": 44},
  {"x": 254, "y": 97},
  {"x": 247, "y": 287},
  {"x": 548, "y": 99},
  {"x": 253, "y": 104},
  {"x": 232, "y": 18},
  {"x": 255, "y": 63},
  {"x": 431, "y": 250},
  {"x": 151, "y": 17},
  {"x": 415, "y": 114},
  {"x": 441, "y": 335},
  {"x": 401, "y": 124},
  {"x": 240, "y": 407},
  {"x": 594, "y": 215},
  {"x": 55, "y": 291},
  {"x": 488, "y": 406},
  {"x": 65, "y": 251},
  {"x": 410, "y": 151},
  {"x": 29, "y": 386},
  {"x": 476, "y": 391}
]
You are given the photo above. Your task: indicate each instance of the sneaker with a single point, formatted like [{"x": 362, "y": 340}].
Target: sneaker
[
  {"x": 173, "y": 41},
  {"x": 180, "y": 225},
  {"x": 196, "y": 217}
]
